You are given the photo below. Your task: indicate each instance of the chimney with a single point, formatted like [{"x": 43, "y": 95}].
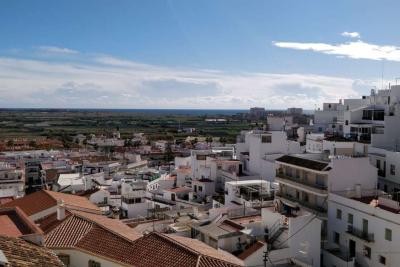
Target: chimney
[
  {"x": 60, "y": 210},
  {"x": 358, "y": 190}
]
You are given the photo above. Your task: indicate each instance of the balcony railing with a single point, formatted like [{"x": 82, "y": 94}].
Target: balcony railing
[
  {"x": 301, "y": 202},
  {"x": 342, "y": 253},
  {"x": 300, "y": 180},
  {"x": 382, "y": 173},
  {"x": 364, "y": 235}
]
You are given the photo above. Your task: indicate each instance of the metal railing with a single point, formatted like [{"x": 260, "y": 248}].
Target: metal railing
[
  {"x": 364, "y": 235},
  {"x": 341, "y": 252},
  {"x": 302, "y": 202},
  {"x": 282, "y": 175}
]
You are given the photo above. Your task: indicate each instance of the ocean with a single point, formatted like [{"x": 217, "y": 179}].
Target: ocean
[{"x": 190, "y": 112}]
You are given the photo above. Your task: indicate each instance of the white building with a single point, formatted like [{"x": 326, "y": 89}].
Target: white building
[
  {"x": 257, "y": 150},
  {"x": 250, "y": 193},
  {"x": 328, "y": 119},
  {"x": 12, "y": 182},
  {"x": 306, "y": 182},
  {"x": 291, "y": 237},
  {"x": 364, "y": 227}
]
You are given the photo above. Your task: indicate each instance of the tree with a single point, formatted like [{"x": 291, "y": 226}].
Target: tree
[
  {"x": 209, "y": 139},
  {"x": 194, "y": 141},
  {"x": 168, "y": 154},
  {"x": 33, "y": 144},
  {"x": 10, "y": 143}
]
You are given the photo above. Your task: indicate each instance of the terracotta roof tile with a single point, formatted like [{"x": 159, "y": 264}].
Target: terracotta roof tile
[
  {"x": 205, "y": 249},
  {"x": 45, "y": 199},
  {"x": 96, "y": 234},
  {"x": 251, "y": 249},
  {"x": 15, "y": 223},
  {"x": 33, "y": 203},
  {"x": 23, "y": 254},
  {"x": 113, "y": 225},
  {"x": 106, "y": 244},
  {"x": 49, "y": 222},
  {"x": 68, "y": 234}
]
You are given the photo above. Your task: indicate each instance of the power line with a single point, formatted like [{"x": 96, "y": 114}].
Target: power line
[{"x": 287, "y": 239}]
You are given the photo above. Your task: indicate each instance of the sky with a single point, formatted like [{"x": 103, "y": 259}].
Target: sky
[{"x": 210, "y": 54}]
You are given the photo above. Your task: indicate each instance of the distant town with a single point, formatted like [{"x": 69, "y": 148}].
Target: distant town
[{"x": 253, "y": 188}]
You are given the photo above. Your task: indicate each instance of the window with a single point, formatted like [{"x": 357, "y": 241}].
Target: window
[
  {"x": 266, "y": 139},
  {"x": 336, "y": 238},
  {"x": 350, "y": 218},
  {"x": 320, "y": 181},
  {"x": 93, "y": 263},
  {"x": 388, "y": 234},
  {"x": 64, "y": 258},
  {"x": 392, "y": 169},
  {"x": 200, "y": 188},
  {"x": 339, "y": 214},
  {"x": 346, "y": 122},
  {"x": 367, "y": 252},
  {"x": 365, "y": 227},
  {"x": 378, "y": 164},
  {"x": 382, "y": 260}
]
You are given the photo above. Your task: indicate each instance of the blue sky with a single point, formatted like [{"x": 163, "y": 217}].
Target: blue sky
[{"x": 194, "y": 54}]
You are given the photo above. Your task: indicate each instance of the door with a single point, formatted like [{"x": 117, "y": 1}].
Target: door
[
  {"x": 365, "y": 227},
  {"x": 352, "y": 248}
]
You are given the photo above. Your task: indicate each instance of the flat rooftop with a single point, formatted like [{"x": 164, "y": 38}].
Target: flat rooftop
[
  {"x": 248, "y": 182},
  {"x": 303, "y": 162}
]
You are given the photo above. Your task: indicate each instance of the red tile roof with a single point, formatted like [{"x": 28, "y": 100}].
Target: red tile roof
[
  {"x": 251, "y": 249},
  {"x": 45, "y": 199},
  {"x": 176, "y": 251},
  {"x": 50, "y": 222},
  {"x": 4, "y": 200},
  {"x": 96, "y": 234},
  {"x": 68, "y": 233},
  {"x": 15, "y": 223},
  {"x": 23, "y": 254}
]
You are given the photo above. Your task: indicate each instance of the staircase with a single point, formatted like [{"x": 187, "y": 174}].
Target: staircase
[{"x": 274, "y": 232}]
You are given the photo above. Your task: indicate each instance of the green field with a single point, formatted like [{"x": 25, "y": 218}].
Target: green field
[{"x": 58, "y": 123}]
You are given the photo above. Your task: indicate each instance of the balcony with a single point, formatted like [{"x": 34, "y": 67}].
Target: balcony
[
  {"x": 381, "y": 173},
  {"x": 301, "y": 183},
  {"x": 360, "y": 234},
  {"x": 339, "y": 256},
  {"x": 303, "y": 203}
]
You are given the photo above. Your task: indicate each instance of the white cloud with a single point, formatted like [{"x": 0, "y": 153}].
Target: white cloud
[
  {"x": 108, "y": 82},
  {"x": 351, "y": 34},
  {"x": 355, "y": 50},
  {"x": 57, "y": 50}
]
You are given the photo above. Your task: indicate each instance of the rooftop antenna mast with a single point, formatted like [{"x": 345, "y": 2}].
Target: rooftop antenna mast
[{"x": 383, "y": 70}]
